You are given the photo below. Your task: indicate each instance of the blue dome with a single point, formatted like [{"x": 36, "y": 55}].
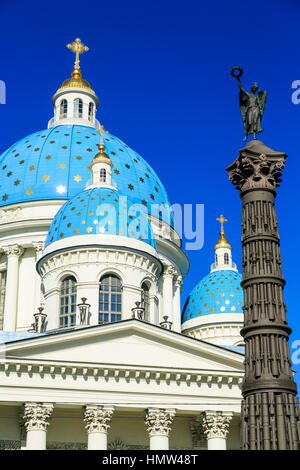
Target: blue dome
[
  {"x": 101, "y": 211},
  {"x": 219, "y": 292},
  {"x": 53, "y": 164}
]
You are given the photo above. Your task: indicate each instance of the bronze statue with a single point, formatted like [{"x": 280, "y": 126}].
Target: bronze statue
[{"x": 252, "y": 106}]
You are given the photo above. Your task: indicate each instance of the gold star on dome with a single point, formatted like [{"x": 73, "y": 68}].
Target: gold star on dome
[
  {"x": 29, "y": 191},
  {"x": 62, "y": 165},
  {"x": 89, "y": 229},
  {"x": 46, "y": 178},
  {"x": 76, "y": 231},
  {"x": 77, "y": 178},
  {"x": 31, "y": 168}
]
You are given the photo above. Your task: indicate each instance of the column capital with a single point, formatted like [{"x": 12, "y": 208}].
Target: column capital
[
  {"x": 168, "y": 271},
  {"x": 215, "y": 424},
  {"x": 37, "y": 416},
  {"x": 38, "y": 247},
  {"x": 97, "y": 418},
  {"x": 257, "y": 166},
  {"x": 179, "y": 282},
  {"x": 159, "y": 421},
  {"x": 13, "y": 250}
]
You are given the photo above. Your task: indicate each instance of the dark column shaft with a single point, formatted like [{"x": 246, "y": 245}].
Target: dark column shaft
[{"x": 270, "y": 410}]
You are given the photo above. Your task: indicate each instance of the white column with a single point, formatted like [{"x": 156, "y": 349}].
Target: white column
[
  {"x": 153, "y": 308},
  {"x": 90, "y": 290},
  {"x": 97, "y": 423},
  {"x": 168, "y": 293},
  {"x": 158, "y": 422},
  {"x": 39, "y": 248},
  {"x": 130, "y": 295},
  {"x": 13, "y": 253},
  {"x": 176, "y": 305},
  {"x": 36, "y": 420},
  {"x": 216, "y": 426}
]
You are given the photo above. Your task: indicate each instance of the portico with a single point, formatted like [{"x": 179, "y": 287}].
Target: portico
[{"x": 107, "y": 395}]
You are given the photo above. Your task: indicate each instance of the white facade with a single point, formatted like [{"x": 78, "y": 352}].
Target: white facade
[{"x": 135, "y": 383}]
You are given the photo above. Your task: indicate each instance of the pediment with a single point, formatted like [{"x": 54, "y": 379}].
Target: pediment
[{"x": 127, "y": 343}]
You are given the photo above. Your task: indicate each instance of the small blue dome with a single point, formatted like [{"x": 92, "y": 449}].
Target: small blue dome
[
  {"x": 53, "y": 164},
  {"x": 101, "y": 211},
  {"x": 219, "y": 292}
]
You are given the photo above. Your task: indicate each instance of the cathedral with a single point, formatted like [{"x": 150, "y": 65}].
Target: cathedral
[{"x": 97, "y": 351}]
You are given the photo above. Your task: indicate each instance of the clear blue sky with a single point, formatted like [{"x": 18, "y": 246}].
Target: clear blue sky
[{"x": 161, "y": 70}]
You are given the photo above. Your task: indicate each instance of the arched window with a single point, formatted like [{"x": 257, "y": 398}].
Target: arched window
[
  {"x": 91, "y": 112},
  {"x": 68, "y": 301},
  {"x": 102, "y": 175},
  {"x": 146, "y": 300},
  {"x": 63, "y": 109},
  {"x": 78, "y": 107},
  {"x": 226, "y": 258},
  {"x": 110, "y": 299}
]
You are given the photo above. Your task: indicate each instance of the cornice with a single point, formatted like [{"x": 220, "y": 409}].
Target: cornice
[{"x": 111, "y": 372}]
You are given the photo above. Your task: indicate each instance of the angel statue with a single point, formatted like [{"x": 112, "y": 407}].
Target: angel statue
[{"x": 252, "y": 106}]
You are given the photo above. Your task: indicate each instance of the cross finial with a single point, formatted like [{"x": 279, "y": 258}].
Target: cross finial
[
  {"x": 102, "y": 132},
  {"x": 78, "y": 48},
  {"x": 222, "y": 221}
]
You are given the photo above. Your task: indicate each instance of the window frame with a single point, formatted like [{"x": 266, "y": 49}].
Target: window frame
[
  {"x": 66, "y": 301},
  {"x": 78, "y": 108},
  {"x": 110, "y": 299},
  {"x": 146, "y": 300},
  {"x": 63, "y": 109}
]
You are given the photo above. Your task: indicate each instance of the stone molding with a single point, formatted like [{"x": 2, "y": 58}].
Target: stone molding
[
  {"x": 59, "y": 262},
  {"x": 37, "y": 416},
  {"x": 215, "y": 424},
  {"x": 97, "y": 418},
  {"x": 159, "y": 421},
  {"x": 112, "y": 372},
  {"x": 9, "y": 215},
  {"x": 13, "y": 250}
]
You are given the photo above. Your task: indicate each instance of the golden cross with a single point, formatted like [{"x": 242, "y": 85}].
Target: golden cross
[
  {"x": 79, "y": 48},
  {"x": 222, "y": 221},
  {"x": 102, "y": 132}
]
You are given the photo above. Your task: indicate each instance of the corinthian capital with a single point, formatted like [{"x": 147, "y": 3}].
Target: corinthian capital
[
  {"x": 38, "y": 247},
  {"x": 257, "y": 166},
  {"x": 97, "y": 418},
  {"x": 169, "y": 270},
  {"x": 37, "y": 416},
  {"x": 159, "y": 421},
  {"x": 178, "y": 282},
  {"x": 13, "y": 250},
  {"x": 216, "y": 423}
]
